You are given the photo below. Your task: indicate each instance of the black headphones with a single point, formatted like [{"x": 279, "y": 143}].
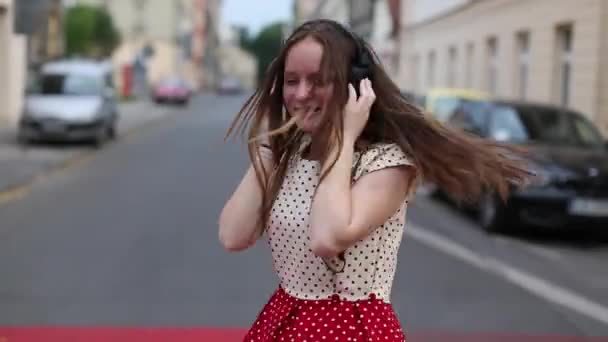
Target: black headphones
[{"x": 361, "y": 62}]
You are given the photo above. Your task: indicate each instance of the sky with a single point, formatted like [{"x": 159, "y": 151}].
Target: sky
[{"x": 256, "y": 14}]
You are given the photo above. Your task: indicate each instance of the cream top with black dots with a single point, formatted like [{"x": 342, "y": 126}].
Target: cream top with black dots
[{"x": 369, "y": 265}]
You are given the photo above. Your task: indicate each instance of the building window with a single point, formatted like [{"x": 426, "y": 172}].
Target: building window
[
  {"x": 564, "y": 63},
  {"x": 523, "y": 64},
  {"x": 415, "y": 75},
  {"x": 469, "y": 65},
  {"x": 452, "y": 66},
  {"x": 430, "y": 77},
  {"x": 492, "y": 65},
  {"x": 139, "y": 26}
]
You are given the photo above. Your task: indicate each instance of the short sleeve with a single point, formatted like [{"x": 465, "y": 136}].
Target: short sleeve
[
  {"x": 381, "y": 156},
  {"x": 265, "y": 151}
]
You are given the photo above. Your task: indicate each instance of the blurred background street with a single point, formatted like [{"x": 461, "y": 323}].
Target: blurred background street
[{"x": 113, "y": 168}]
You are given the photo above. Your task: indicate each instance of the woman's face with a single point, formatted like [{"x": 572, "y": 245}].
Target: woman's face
[{"x": 304, "y": 95}]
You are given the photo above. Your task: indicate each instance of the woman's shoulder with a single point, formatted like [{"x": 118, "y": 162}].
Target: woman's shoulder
[
  {"x": 385, "y": 151},
  {"x": 380, "y": 155}
]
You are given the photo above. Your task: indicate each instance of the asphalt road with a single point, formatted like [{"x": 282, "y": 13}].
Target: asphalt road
[{"x": 128, "y": 237}]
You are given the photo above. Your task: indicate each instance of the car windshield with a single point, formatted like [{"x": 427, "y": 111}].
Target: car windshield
[
  {"x": 172, "y": 83},
  {"x": 506, "y": 125},
  {"x": 67, "y": 84},
  {"x": 444, "y": 106},
  {"x": 544, "y": 125}
]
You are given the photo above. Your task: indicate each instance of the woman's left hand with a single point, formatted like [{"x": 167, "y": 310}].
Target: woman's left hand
[{"x": 356, "y": 111}]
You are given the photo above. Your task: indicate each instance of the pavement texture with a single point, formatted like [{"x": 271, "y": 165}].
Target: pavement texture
[{"x": 20, "y": 165}]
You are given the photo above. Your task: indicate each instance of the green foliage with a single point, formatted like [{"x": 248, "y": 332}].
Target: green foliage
[
  {"x": 265, "y": 46},
  {"x": 89, "y": 31}
]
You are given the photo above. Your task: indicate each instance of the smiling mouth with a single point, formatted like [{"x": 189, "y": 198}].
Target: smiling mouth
[{"x": 308, "y": 111}]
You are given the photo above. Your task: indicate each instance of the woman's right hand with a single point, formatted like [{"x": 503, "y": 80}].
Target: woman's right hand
[{"x": 356, "y": 111}]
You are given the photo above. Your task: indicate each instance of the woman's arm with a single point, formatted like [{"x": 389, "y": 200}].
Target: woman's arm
[
  {"x": 341, "y": 215},
  {"x": 239, "y": 224}
]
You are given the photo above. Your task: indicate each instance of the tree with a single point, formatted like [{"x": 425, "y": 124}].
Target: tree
[
  {"x": 90, "y": 31},
  {"x": 246, "y": 41},
  {"x": 265, "y": 46}
]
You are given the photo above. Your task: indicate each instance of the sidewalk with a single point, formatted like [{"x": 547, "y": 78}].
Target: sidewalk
[{"x": 19, "y": 165}]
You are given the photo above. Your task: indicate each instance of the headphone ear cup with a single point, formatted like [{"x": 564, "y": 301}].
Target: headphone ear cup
[{"x": 357, "y": 74}]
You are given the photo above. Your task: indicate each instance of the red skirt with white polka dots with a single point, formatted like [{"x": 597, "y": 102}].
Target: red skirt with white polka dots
[{"x": 286, "y": 318}]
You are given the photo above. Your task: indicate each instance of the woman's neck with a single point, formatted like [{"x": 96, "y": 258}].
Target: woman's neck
[{"x": 313, "y": 151}]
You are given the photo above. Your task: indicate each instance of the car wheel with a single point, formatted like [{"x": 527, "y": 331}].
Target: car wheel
[
  {"x": 491, "y": 214},
  {"x": 112, "y": 131},
  {"x": 101, "y": 136},
  {"x": 22, "y": 139}
]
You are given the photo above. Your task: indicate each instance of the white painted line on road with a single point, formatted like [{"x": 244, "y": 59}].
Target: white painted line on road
[
  {"x": 544, "y": 252},
  {"x": 537, "y": 286}
]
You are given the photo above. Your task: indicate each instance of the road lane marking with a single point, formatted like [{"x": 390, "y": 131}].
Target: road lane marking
[
  {"x": 533, "y": 284},
  {"x": 12, "y": 194},
  {"x": 21, "y": 190},
  {"x": 544, "y": 252}
]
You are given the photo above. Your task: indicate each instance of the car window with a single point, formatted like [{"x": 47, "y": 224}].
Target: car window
[
  {"x": 559, "y": 127},
  {"x": 457, "y": 119},
  {"x": 471, "y": 116},
  {"x": 506, "y": 125},
  {"x": 67, "y": 84},
  {"x": 555, "y": 127},
  {"x": 172, "y": 82},
  {"x": 477, "y": 116},
  {"x": 587, "y": 133},
  {"x": 444, "y": 107},
  {"x": 109, "y": 79}
]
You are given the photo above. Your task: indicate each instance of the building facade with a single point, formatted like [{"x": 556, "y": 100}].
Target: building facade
[
  {"x": 551, "y": 51},
  {"x": 377, "y": 21},
  {"x": 46, "y": 41},
  {"x": 12, "y": 65},
  {"x": 210, "y": 35},
  {"x": 338, "y": 10},
  {"x": 165, "y": 38},
  {"x": 30, "y": 33},
  {"x": 234, "y": 61},
  {"x": 303, "y": 10}
]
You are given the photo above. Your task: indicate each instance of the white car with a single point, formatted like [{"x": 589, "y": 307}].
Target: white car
[
  {"x": 230, "y": 85},
  {"x": 70, "y": 100}
]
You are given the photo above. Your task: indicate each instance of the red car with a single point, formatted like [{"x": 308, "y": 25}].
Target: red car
[{"x": 172, "y": 90}]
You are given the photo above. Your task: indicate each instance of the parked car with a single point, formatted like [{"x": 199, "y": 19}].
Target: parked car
[
  {"x": 441, "y": 102},
  {"x": 172, "y": 90},
  {"x": 567, "y": 153},
  {"x": 229, "y": 86},
  {"x": 70, "y": 100},
  {"x": 414, "y": 98}
]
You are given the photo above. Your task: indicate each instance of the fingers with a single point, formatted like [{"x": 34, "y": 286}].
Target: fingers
[
  {"x": 362, "y": 88},
  {"x": 367, "y": 92},
  {"x": 352, "y": 94},
  {"x": 370, "y": 91}
]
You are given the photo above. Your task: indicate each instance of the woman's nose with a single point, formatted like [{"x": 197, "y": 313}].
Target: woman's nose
[{"x": 303, "y": 90}]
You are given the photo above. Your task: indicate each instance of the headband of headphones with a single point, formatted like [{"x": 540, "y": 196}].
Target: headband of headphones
[{"x": 362, "y": 59}]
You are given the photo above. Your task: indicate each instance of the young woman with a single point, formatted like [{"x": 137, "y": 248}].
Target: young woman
[{"x": 336, "y": 155}]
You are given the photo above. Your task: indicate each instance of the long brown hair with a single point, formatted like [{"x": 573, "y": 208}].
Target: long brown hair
[{"x": 459, "y": 163}]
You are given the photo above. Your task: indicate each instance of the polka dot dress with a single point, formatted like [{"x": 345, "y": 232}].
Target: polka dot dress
[{"x": 337, "y": 299}]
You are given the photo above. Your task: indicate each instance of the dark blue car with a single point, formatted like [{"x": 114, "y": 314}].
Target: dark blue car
[{"x": 567, "y": 152}]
